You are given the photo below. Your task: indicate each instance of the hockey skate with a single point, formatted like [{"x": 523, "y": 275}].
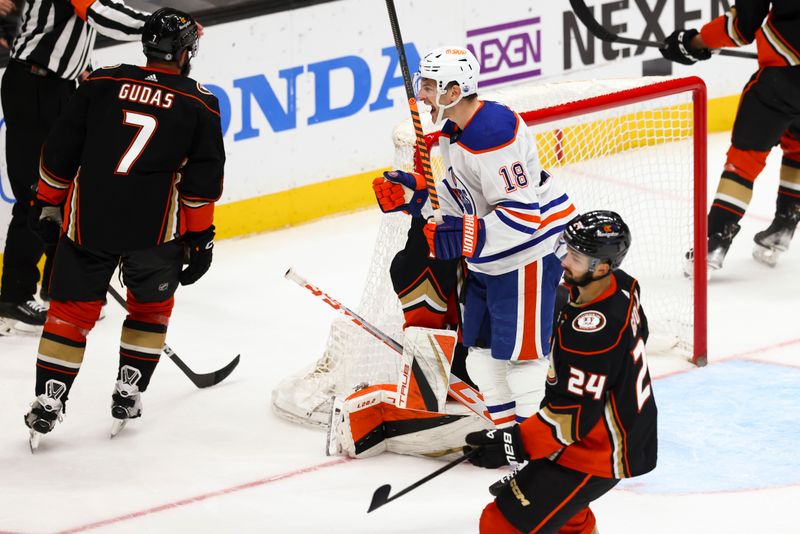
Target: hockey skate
[
  {"x": 126, "y": 401},
  {"x": 46, "y": 410},
  {"x": 25, "y": 318},
  {"x": 718, "y": 245},
  {"x": 772, "y": 242}
]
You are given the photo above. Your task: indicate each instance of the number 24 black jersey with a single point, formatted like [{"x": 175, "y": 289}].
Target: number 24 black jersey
[
  {"x": 137, "y": 157},
  {"x": 599, "y": 415}
]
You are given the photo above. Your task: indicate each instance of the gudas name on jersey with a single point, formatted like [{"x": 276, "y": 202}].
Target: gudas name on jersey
[{"x": 144, "y": 94}]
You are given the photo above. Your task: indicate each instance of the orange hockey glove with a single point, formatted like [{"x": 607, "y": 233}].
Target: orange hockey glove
[{"x": 400, "y": 191}]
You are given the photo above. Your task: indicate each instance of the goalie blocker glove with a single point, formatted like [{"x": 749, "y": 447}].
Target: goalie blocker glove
[
  {"x": 199, "y": 249},
  {"x": 678, "y": 48},
  {"x": 496, "y": 447},
  {"x": 400, "y": 191},
  {"x": 456, "y": 237}
]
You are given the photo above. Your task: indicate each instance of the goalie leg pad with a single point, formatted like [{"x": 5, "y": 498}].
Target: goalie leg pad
[
  {"x": 368, "y": 423},
  {"x": 491, "y": 376},
  {"x": 427, "y": 352}
]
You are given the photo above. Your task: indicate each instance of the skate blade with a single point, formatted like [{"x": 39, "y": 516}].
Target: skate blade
[
  {"x": 6, "y": 327},
  {"x": 12, "y": 327},
  {"x": 117, "y": 426},
  {"x": 33, "y": 440},
  {"x": 766, "y": 256}
]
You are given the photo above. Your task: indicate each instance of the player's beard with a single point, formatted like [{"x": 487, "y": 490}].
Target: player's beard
[
  {"x": 186, "y": 68},
  {"x": 580, "y": 281}
]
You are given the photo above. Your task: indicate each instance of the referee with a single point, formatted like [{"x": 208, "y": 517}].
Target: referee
[{"x": 50, "y": 53}]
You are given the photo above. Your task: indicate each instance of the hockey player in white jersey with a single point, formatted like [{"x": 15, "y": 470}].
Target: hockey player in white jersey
[{"x": 503, "y": 213}]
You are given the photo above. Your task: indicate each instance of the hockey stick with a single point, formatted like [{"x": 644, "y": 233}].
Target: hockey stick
[
  {"x": 586, "y": 16},
  {"x": 458, "y": 389},
  {"x": 425, "y": 156},
  {"x": 381, "y": 495},
  {"x": 199, "y": 380}
]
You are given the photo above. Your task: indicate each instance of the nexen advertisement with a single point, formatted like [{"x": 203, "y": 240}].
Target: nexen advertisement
[{"x": 312, "y": 95}]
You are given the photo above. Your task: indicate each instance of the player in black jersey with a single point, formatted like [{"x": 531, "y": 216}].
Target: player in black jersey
[
  {"x": 136, "y": 161},
  {"x": 768, "y": 115},
  {"x": 597, "y": 422}
]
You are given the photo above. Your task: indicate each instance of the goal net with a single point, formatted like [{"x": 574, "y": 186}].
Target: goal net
[{"x": 624, "y": 145}]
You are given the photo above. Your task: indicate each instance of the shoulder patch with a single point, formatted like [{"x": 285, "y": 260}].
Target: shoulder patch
[
  {"x": 589, "y": 321},
  {"x": 203, "y": 89}
]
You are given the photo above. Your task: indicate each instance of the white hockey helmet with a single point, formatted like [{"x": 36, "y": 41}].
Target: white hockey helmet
[{"x": 449, "y": 64}]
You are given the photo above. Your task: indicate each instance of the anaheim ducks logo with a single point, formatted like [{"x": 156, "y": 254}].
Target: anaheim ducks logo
[
  {"x": 202, "y": 89},
  {"x": 589, "y": 321},
  {"x": 552, "y": 378}
]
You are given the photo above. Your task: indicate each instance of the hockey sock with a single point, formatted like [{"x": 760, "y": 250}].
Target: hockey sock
[
  {"x": 789, "y": 188},
  {"x": 735, "y": 188},
  {"x": 490, "y": 375},
  {"x": 143, "y": 334},
  {"x": 63, "y": 342}
]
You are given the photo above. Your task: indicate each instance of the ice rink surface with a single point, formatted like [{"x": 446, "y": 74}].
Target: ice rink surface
[{"x": 218, "y": 460}]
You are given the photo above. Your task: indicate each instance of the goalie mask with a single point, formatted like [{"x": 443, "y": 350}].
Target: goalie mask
[{"x": 449, "y": 64}]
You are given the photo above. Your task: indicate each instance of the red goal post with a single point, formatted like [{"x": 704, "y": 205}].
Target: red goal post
[
  {"x": 692, "y": 85},
  {"x": 636, "y": 146}
]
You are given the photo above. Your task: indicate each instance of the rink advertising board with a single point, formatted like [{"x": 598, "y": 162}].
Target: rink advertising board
[{"x": 309, "y": 97}]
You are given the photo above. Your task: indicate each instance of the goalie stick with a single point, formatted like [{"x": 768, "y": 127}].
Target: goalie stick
[
  {"x": 457, "y": 388},
  {"x": 381, "y": 495},
  {"x": 424, "y": 154},
  {"x": 583, "y": 12},
  {"x": 200, "y": 380}
]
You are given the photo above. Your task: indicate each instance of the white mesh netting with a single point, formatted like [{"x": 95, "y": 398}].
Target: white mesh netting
[{"x": 636, "y": 159}]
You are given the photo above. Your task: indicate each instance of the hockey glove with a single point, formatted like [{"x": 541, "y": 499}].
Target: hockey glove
[
  {"x": 496, "y": 447},
  {"x": 400, "y": 191},
  {"x": 456, "y": 237},
  {"x": 45, "y": 221},
  {"x": 678, "y": 48},
  {"x": 199, "y": 247}
]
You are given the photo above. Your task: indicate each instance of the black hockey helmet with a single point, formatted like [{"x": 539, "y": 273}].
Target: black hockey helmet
[
  {"x": 601, "y": 235},
  {"x": 167, "y": 33}
]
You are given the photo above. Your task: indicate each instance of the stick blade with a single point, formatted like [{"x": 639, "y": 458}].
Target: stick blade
[
  {"x": 207, "y": 379},
  {"x": 223, "y": 373},
  {"x": 380, "y": 497}
]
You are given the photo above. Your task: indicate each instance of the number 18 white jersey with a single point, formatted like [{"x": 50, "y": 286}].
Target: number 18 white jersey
[{"x": 493, "y": 171}]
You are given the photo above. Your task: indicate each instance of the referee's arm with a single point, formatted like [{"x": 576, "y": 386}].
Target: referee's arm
[{"x": 112, "y": 18}]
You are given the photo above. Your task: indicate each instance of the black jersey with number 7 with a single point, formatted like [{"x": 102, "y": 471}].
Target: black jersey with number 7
[{"x": 137, "y": 159}]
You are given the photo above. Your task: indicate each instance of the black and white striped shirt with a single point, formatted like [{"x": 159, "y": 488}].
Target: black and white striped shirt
[{"x": 59, "y": 35}]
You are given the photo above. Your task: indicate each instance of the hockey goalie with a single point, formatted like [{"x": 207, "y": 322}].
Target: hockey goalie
[{"x": 411, "y": 416}]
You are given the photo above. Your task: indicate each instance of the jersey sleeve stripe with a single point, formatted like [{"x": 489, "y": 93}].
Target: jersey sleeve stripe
[
  {"x": 519, "y": 205},
  {"x": 194, "y": 203},
  {"x": 515, "y": 225},
  {"x": 619, "y": 450},
  {"x": 524, "y": 216},
  {"x": 526, "y": 245},
  {"x": 561, "y": 425},
  {"x": 52, "y": 178},
  {"x": 563, "y": 214}
]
